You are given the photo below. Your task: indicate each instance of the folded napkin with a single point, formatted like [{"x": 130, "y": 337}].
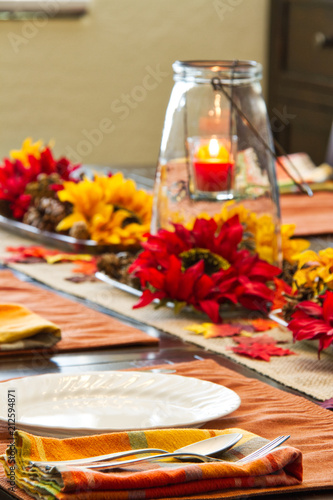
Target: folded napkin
[
  {"x": 282, "y": 467},
  {"x": 21, "y": 328}
]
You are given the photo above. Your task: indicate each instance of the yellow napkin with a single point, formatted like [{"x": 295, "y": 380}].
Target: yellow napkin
[{"x": 21, "y": 328}]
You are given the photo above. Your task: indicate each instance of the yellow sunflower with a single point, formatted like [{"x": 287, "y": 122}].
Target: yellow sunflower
[
  {"x": 261, "y": 227},
  {"x": 123, "y": 194},
  {"x": 246, "y": 217},
  {"x": 315, "y": 270},
  {"x": 263, "y": 230},
  {"x": 87, "y": 199},
  {"x": 114, "y": 211},
  {"x": 291, "y": 247}
]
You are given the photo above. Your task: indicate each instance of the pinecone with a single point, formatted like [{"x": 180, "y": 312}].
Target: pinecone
[
  {"x": 45, "y": 214},
  {"x": 288, "y": 271},
  {"x": 41, "y": 187},
  {"x": 79, "y": 230},
  {"x": 5, "y": 209},
  {"x": 116, "y": 266}
]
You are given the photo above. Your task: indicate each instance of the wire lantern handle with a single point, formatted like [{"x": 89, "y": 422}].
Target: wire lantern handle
[{"x": 302, "y": 186}]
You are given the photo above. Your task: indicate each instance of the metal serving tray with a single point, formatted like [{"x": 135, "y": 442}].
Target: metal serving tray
[
  {"x": 68, "y": 243},
  {"x": 60, "y": 241},
  {"x": 125, "y": 288}
]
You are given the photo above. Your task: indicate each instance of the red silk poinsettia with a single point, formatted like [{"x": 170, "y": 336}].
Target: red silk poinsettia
[
  {"x": 14, "y": 177},
  {"x": 191, "y": 286},
  {"x": 314, "y": 321},
  {"x": 203, "y": 267},
  {"x": 13, "y": 180}
]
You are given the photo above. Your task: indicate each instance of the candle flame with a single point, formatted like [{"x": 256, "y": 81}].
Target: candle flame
[{"x": 214, "y": 148}]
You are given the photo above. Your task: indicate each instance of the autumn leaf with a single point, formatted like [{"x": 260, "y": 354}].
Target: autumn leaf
[
  {"x": 260, "y": 351},
  {"x": 67, "y": 257},
  {"x": 258, "y": 339},
  {"x": 86, "y": 268},
  {"x": 82, "y": 279},
  {"x": 245, "y": 327},
  {"x": 198, "y": 329},
  {"x": 29, "y": 254},
  {"x": 262, "y": 324},
  {"x": 31, "y": 251},
  {"x": 86, "y": 264},
  {"x": 211, "y": 330},
  {"x": 224, "y": 330}
]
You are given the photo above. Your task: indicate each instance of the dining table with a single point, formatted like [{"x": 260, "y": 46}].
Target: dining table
[{"x": 268, "y": 406}]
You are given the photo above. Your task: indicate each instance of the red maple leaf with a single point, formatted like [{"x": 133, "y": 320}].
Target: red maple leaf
[
  {"x": 258, "y": 339},
  {"x": 245, "y": 327},
  {"x": 261, "y": 351},
  {"x": 30, "y": 254}
]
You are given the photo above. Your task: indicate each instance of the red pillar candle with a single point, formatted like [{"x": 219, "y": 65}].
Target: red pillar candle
[{"x": 213, "y": 167}]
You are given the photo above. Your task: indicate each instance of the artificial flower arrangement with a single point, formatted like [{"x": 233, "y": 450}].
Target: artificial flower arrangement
[
  {"x": 308, "y": 306},
  {"x": 41, "y": 191},
  {"x": 204, "y": 267},
  {"x": 213, "y": 262},
  {"x": 226, "y": 260},
  {"x": 29, "y": 173}
]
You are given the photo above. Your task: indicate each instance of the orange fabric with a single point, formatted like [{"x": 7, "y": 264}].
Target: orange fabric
[
  {"x": 81, "y": 327},
  {"x": 283, "y": 467},
  {"x": 312, "y": 216},
  {"x": 269, "y": 412},
  {"x": 18, "y": 324}
]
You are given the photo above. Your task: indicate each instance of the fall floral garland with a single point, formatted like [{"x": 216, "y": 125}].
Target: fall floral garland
[
  {"x": 41, "y": 191},
  {"x": 210, "y": 263},
  {"x": 25, "y": 166},
  {"x": 207, "y": 266}
]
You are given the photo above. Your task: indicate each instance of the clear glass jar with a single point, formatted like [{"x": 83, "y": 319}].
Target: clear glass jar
[{"x": 209, "y": 154}]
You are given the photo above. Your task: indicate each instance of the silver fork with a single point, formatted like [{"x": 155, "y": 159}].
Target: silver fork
[
  {"x": 115, "y": 464},
  {"x": 264, "y": 450}
]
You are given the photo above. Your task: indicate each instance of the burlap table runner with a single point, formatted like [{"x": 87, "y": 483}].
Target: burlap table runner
[
  {"x": 81, "y": 327},
  {"x": 303, "y": 371},
  {"x": 269, "y": 412}
]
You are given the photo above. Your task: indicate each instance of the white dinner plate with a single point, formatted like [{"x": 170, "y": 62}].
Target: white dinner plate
[{"x": 61, "y": 405}]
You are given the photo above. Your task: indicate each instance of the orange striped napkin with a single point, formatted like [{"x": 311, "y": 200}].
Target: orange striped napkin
[{"x": 167, "y": 479}]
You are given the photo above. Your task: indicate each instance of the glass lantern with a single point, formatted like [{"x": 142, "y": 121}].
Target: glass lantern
[{"x": 216, "y": 146}]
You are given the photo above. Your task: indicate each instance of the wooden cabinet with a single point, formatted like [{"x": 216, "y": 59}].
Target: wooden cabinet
[{"x": 300, "y": 93}]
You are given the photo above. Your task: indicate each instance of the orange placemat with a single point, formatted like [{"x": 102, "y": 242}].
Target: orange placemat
[
  {"x": 312, "y": 216},
  {"x": 81, "y": 328},
  {"x": 269, "y": 412}
]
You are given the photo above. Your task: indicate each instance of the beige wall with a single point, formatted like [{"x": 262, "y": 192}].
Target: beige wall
[{"x": 64, "y": 78}]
